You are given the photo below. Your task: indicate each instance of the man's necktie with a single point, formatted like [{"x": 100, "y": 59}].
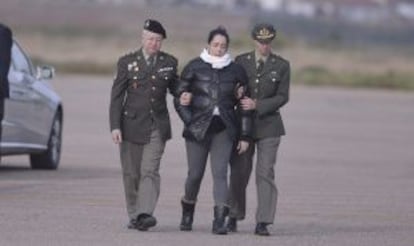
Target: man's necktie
[
  {"x": 150, "y": 61},
  {"x": 260, "y": 65}
]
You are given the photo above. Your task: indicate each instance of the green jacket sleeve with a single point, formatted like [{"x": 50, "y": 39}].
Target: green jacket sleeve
[{"x": 118, "y": 95}]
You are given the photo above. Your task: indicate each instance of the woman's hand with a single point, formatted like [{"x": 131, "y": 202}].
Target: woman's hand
[
  {"x": 242, "y": 146},
  {"x": 185, "y": 98},
  {"x": 239, "y": 91}
]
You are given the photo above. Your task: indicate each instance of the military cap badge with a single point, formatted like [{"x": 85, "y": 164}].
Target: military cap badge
[
  {"x": 263, "y": 33},
  {"x": 155, "y": 27}
]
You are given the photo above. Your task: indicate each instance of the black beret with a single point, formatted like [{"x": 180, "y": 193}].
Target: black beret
[
  {"x": 263, "y": 33},
  {"x": 155, "y": 27}
]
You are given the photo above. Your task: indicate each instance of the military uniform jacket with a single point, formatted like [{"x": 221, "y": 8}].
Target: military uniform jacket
[
  {"x": 270, "y": 88},
  {"x": 138, "y": 96}
]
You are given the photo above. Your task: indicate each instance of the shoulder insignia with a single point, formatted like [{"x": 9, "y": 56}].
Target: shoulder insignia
[
  {"x": 168, "y": 57},
  {"x": 127, "y": 55}
]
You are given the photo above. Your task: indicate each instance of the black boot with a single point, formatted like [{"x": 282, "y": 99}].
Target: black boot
[
  {"x": 187, "y": 218},
  {"x": 232, "y": 224},
  {"x": 219, "y": 222}
]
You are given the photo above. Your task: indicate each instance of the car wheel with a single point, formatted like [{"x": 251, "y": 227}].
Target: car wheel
[{"x": 51, "y": 157}]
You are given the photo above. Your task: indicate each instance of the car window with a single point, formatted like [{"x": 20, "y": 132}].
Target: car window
[{"x": 20, "y": 62}]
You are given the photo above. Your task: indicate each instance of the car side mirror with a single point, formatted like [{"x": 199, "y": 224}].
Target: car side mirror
[{"x": 45, "y": 72}]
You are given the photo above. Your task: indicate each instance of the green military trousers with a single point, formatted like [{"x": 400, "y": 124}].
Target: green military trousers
[
  {"x": 140, "y": 173},
  {"x": 241, "y": 167}
]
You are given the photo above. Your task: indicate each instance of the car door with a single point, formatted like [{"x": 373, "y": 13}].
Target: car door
[{"x": 24, "y": 126}]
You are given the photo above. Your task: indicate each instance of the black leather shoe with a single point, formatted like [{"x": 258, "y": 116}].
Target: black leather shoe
[
  {"x": 232, "y": 224},
  {"x": 132, "y": 224},
  {"x": 145, "y": 221},
  {"x": 261, "y": 229}
]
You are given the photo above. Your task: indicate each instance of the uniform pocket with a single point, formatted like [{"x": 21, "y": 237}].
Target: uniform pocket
[
  {"x": 165, "y": 75},
  {"x": 130, "y": 113},
  {"x": 275, "y": 77}
]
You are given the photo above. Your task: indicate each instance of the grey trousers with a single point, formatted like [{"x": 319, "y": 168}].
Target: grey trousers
[
  {"x": 241, "y": 168},
  {"x": 140, "y": 173},
  {"x": 219, "y": 146}
]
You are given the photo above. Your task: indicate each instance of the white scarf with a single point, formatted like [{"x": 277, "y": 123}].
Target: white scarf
[{"x": 215, "y": 61}]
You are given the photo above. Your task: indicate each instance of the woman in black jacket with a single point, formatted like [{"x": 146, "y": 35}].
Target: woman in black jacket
[{"x": 211, "y": 123}]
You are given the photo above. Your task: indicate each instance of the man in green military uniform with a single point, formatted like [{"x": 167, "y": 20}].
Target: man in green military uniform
[
  {"x": 269, "y": 79},
  {"x": 140, "y": 122}
]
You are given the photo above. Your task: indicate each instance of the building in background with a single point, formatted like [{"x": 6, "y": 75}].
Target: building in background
[{"x": 353, "y": 11}]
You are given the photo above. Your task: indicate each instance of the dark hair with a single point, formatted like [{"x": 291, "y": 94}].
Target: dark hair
[{"x": 220, "y": 30}]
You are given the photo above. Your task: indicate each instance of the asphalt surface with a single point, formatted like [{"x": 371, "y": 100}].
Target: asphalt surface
[{"x": 345, "y": 173}]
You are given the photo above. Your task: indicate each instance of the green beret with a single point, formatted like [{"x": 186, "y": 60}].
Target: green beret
[{"x": 263, "y": 33}]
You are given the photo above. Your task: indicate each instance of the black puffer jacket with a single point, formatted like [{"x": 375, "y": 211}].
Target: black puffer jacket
[{"x": 212, "y": 87}]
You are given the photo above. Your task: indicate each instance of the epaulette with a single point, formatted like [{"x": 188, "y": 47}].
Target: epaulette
[
  {"x": 165, "y": 56},
  {"x": 275, "y": 57},
  {"x": 245, "y": 56},
  {"x": 128, "y": 55}
]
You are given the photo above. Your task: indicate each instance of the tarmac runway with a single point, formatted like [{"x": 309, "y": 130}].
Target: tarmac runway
[{"x": 345, "y": 173}]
